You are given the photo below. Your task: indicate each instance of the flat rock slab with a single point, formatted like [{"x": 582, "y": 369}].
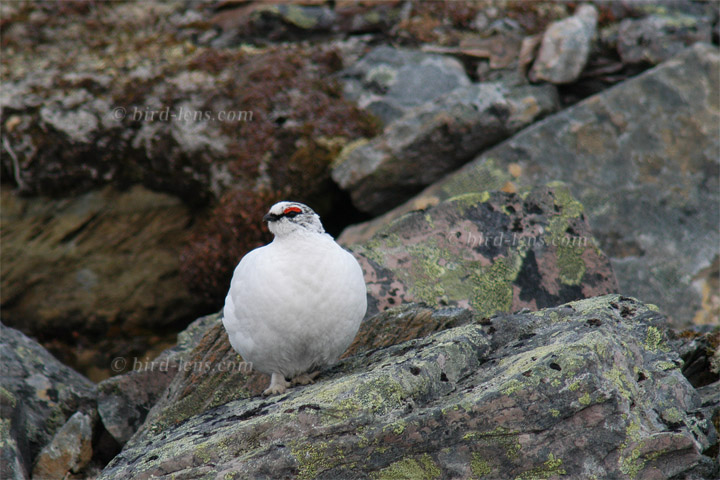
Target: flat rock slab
[
  {"x": 642, "y": 157},
  {"x": 587, "y": 389},
  {"x": 489, "y": 252}
]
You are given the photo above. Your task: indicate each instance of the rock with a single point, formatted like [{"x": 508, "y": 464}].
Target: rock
[
  {"x": 434, "y": 139},
  {"x": 644, "y": 150},
  {"x": 405, "y": 322},
  {"x": 490, "y": 252},
  {"x": 125, "y": 400},
  {"x": 390, "y": 81},
  {"x": 38, "y": 395},
  {"x": 590, "y": 388},
  {"x": 103, "y": 261},
  {"x": 656, "y": 38},
  {"x": 69, "y": 451},
  {"x": 565, "y": 47},
  {"x": 14, "y": 452}
]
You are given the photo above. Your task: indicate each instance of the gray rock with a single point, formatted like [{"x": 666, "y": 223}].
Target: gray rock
[
  {"x": 656, "y": 38},
  {"x": 125, "y": 400},
  {"x": 38, "y": 396},
  {"x": 389, "y": 81},
  {"x": 490, "y": 252},
  {"x": 102, "y": 259},
  {"x": 587, "y": 389},
  {"x": 432, "y": 140},
  {"x": 565, "y": 47},
  {"x": 69, "y": 451},
  {"x": 644, "y": 150}
]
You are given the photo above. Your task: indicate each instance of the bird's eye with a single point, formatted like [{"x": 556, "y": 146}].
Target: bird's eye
[{"x": 291, "y": 212}]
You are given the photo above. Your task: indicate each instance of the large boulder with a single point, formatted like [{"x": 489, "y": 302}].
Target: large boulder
[
  {"x": 435, "y": 138},
  {"x": 644, "y": 150},
  {"x": 390, "y": 81},
  {"x": 490, "y": 252},
  {"x": 590, "y": 388},
  {"x": 105, "y": 261},
  {"x": 38, "y": 396}
]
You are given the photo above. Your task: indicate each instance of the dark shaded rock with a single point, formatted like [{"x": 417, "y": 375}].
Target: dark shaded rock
[
  {"x": 38, "y": 396},
  {"x": 390, "y": 81},
  {"x": 644, "y": 150},
  {"x": 565, "y": 47},
  {"x": 125, "y": 400},
  {"x": 656, "y": 38},
  {"x": 405, "y": 322},
  {"x": 434, "y": 139},
  {"x": 590, "y": 388},
  {"x": 490, "y": 252},
  {"x": 69, "y": 451},
  {"x": 103, "y": 261}
]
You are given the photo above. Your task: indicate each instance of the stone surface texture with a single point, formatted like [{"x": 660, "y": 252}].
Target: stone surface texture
[
  {"x": 645, "y": 150},
  {"x": 38, "y": 396},
  {"x": 434, "y": 139},
  {"x": 99, "y": 262},
  {"x": 490, "y": 252},
  {"x": 589, "y": 388},
  {"x": 565, "y": 47}
]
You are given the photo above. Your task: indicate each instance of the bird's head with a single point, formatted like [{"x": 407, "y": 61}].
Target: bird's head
[{"x": 285, "y": 218}]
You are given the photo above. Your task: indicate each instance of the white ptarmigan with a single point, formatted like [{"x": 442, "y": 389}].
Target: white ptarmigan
[{"x": 295, "y": 304}]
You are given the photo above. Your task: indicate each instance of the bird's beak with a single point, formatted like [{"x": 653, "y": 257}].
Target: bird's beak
[{"x": 269, "y": 217}]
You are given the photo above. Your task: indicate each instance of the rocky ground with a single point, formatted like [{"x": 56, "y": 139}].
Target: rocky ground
[{"x": 532, "y": 189}]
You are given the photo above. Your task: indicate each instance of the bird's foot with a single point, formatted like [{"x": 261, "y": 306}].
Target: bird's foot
[
  {"x": 278, "y": 384},
  {"x": 305, "y": 378}
]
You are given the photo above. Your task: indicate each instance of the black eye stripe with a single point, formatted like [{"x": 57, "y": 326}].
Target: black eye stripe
[{"x": 291, "y": 214}]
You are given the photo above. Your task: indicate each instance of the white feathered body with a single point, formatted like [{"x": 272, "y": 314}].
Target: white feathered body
[{"x": 295, "y": 304}]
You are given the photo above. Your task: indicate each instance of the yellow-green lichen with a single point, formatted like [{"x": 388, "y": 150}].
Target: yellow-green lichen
[
  {"x": 470, "y": 200},
  {"x": 673, "y": 415},
  {"x": 631, "y": 464},
  {"x": 665, "y": 365},
  {"x": 585, "y": 399},
  {"x": 654, "y": 340},
  {"x": 314, "y": 458},
  {"x": 493, "y": 285},
  {"x": 569, "y": 249},
  {"x": 621, "y": 382},
  {"x": 512, "y": 386},
  {"x": 551, "y": 467},
  {"x": 554, "y": 412},
  {"x": 486, "y": 176},
  {"x": 418, "y": 468},
  {"x": 479, "y": 466}
]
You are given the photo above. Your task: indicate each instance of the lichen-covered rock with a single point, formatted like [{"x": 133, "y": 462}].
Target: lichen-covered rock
[
  {"x": 490, "y": 252},
  {"x": 656, "y": 38},
  {"x": 69, "y": 451},
  {"x": 390, "y": 81},
  {"x": 38, "y": 396},
  {"x": 106, "y": 260},
  {"x": 432, "y": 140},
  {"x": 565, "y": 47},
  {"x": 644, "y": 150},
  {"x": 587, "y": 389}
]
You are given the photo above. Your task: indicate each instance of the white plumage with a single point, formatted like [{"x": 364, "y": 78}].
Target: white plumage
[{"x": 295, "y": 304}]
